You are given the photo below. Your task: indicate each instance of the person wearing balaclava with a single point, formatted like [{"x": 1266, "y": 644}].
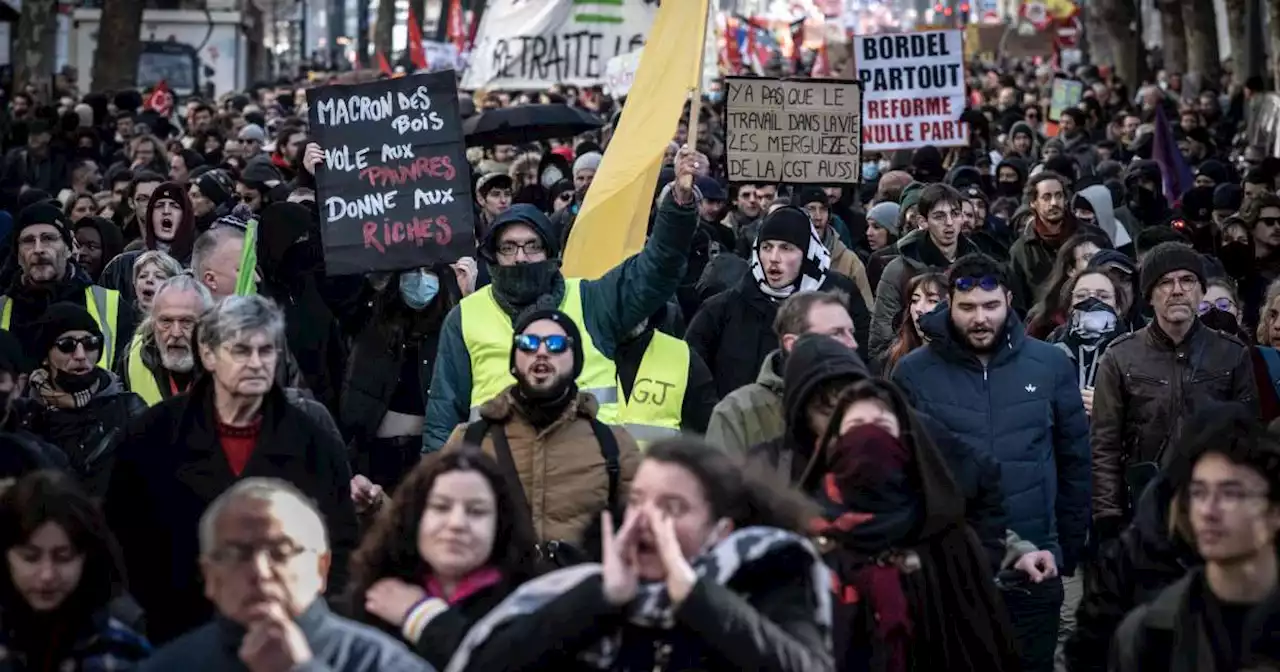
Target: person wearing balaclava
[
  {"x": 40, "y": 244},
  {"x": 1146, "y": 201},
  {"x": 170, "y": 228},
  {"x": 1011, "y": 176},
  {"x": 523, "y": 260},
  {"x": 553, "y": 431},
  {"x": 70, "y": 400},
  {"x": 733, "y": 331},
  {"x": 383, "y": 400}
]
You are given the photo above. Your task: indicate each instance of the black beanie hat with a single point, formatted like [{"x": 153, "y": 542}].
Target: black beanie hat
[
  {"x": 1228, "y": 196},
  {"x": 57, "y": 320},
  {"x": 42, "y": 213},
  {"x": 808, "y": 195},
  {"x": 216, "y": 185},
  {"x": 789, "y": 224},
  {"x": 1166, "y": 258},
  {"x": 1197, "y": 204},
  {"x": 566, "y": 323}
]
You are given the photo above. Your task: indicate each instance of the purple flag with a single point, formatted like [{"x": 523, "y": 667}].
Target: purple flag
[{"x": 1173, "y": 166}]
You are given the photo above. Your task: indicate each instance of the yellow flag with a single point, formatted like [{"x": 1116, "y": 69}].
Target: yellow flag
[{"x": 612, "y": 222}]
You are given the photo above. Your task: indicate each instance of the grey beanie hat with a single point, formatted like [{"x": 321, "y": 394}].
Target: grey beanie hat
[{"x": 885, "y": 215}]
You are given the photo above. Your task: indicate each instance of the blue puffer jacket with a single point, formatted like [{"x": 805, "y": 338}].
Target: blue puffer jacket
[{"x": 1024, "y": 409}]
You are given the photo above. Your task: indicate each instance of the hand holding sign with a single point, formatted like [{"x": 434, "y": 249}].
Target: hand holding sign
[
  {"x": 312, "y": 157},
  {"x": 687, "y": 161}
]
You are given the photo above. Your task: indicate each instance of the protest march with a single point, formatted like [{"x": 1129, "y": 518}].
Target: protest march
[{"x": 808, "y": 336}]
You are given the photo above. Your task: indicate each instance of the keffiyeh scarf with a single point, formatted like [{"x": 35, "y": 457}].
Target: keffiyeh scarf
[{"x": 813, "y": 269}]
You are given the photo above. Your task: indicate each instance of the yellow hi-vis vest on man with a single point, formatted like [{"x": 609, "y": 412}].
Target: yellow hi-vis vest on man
[
  {"x": 100, "y": 302},
  {"x": 138, "y": 379},
  {"x": 489, "y": 335},
  {"x": 657, "y": 396}
]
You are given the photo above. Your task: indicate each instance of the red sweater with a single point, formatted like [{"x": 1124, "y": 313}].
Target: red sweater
[{"x": 238, "y": 443}]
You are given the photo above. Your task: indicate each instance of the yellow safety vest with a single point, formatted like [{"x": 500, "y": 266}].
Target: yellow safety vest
[
  {"x": 489, "y": 334},
  {"x": 99, "y": 301},
  {"x": 138, "y": 378},
  {"x": 657, "y": 396}
]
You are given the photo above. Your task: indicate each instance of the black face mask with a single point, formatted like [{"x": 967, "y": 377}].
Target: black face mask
[
  {"x": 1220, "y": 320},
  {"x": 75, "y": 383},
  {"x": 1093, "y": 321},
  {"x": 1236, "y": 258},
  {"x": 1010, "y": 189},
  {"x": 1144, "y": 200}
]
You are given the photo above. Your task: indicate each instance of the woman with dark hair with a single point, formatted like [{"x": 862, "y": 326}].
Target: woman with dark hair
[
  {"x": 1050, "y": 312},
  {"x": 1092, "y": 324},
  {"x": 80, "y": 206},
  {"x": 707, "y": 572},
  {"x": 64, "y": 569},
  {"x": 382, "y": 406},
  {"x": 449, "y": 546},
  {"x": 917, "y": 592},
  {"x": 926, "y": 291}
]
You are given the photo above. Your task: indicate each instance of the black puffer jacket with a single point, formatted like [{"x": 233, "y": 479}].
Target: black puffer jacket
[
  {"x": 733, "y": 331},
  {"x": 1128, "y": 571}
]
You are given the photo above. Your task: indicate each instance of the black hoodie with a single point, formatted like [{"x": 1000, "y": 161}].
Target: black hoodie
[{"x": 111, "y": 236}]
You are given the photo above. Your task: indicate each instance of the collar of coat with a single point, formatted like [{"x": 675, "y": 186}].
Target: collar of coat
[{"x": 503, "y": 409}]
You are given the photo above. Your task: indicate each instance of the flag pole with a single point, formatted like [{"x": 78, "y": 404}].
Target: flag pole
[{"x": 695, "y": 101}]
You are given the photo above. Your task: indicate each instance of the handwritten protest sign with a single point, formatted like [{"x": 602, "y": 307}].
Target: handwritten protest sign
[
  {"x": 801, "y": 131},
  {"x": 395, "y": 187},
  {"x": 912, "y": 89},
  {"x": 532, "y": 45},
  {"x": 620, "y": 73},
  {"x": 1065, "y": 93}
]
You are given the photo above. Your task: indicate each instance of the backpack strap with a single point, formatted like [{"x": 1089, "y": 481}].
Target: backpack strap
[
  {"x": 1272, "y": 357},
  {"x": 612, "y": 464},
  {"x": 475, "y": 434}
]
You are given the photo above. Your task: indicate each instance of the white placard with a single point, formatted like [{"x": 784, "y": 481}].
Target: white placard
[
  {"x": 913, "y": 89},
  {"x": 620, "y": 73},
  {"x": 532, "y": 44}
]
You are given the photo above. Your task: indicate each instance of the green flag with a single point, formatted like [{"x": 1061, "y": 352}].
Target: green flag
[{"x": 245, "y": 284}]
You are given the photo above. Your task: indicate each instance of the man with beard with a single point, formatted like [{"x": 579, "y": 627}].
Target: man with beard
[
  {"x": 169, "y": 226},
  {"x": 1032, "y": 254},
  {"x": 524, "y": 263},
  {"x": 1151, "y": 379},
  {"x": 41, "y": 244},
  {"x": 564, "y": 456},
  {"x": 1015, "y": 399},
  {"x": 160, "y": 362}
]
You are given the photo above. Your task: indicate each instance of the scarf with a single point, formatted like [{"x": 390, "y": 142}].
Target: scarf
[
  {"x": 872, "y": 510},
  {"x": 542, "y": 410},
  {"x": 652, "y": 607},
  {"x": 813, "y": 270},
  {"x": 470, "y": 584},
  {"x": 526, "y": 288},
  {"x": 1054, "y": 239},
  {"x": 42, "y": 381}
]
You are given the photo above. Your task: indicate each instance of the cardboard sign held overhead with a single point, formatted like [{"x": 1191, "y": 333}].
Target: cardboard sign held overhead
[
  {"x": 805, "y": 131},
  {"x": 395, "y": 187},
  {"x": 913, "y": 89},
  {"x": 1065, "y": 93}
]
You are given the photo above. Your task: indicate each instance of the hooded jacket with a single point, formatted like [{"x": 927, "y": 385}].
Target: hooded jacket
[
  {"x": 1099, "y": 198},
  {"x": 118, "y": 273},
  {"x": 1021, "y": 408},
  {"x": 751, "y": 414},
  {"x": 1031, "y": 257},
  {"x": 110, "y": 235}
]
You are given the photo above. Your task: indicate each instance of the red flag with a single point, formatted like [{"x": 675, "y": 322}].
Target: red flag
[
  {"x": 457, "y": 25},
  {"x": 161, "y": 99},
  {"x": 417, "y": 53},
  {"x": 383, "y": 65}
]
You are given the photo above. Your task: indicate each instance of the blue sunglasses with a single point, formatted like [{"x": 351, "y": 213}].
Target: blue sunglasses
[
  {"x": 986, "y": 283},
  {"x": 556, "y": 344}
]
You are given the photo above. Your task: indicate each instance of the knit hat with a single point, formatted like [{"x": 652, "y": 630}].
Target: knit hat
[
  {"x": 42, "y": 213},
  {"x": 588, "y": 161},
  {"x": 216, "y": 185},
  {"x": 790, "y": 225},
  {"x": 1228, "y": 196},
  {"x": 1166, "y": 258},
  {"x": 885, "y": 215},
  {"x": 1197, "y": 204},
  {"x": 807, "y": 195},
  {"x": 253, "y": 132},
  {"x": 566, "y": 323},
  {"x": 911, "y": 195},
  {"x": 57, "y": 320}
]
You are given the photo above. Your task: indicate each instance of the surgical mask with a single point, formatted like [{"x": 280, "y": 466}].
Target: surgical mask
[
  {"x": 1093, "y": 320},
  {"x": 870, "y": 170},
  {"x": 715, "y": 96},
  {"x": 418, "y": 288}
]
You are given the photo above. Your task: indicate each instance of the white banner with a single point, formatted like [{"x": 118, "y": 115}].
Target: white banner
[
  {"x": 532, "y": 44},
  {"x": 912, "y": 89},
  {"x": 442, "y": 56},
  {"x": 620, "y": 73}
]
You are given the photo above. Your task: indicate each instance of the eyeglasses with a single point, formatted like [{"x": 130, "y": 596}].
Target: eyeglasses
[
  {"x": 986, "y": 283},
  {"x": 530, "y": 248},
  {"x": 1099, "y": 294},
  {"x": 555, "y": 343},
  {"x": 67, "y": 344},
  {"x": 1269, "y": 221},
  {"x": 278, "y": 552},
  {"x": 1224, "y": 304},
  {"x": 1228, "y": 497}
]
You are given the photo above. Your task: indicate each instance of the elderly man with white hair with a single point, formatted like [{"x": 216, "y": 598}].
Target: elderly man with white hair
[
  {"x": 234, "y": 423},
  {"x": 161, "y": 360},
  {"x": 265, "y": 558}
]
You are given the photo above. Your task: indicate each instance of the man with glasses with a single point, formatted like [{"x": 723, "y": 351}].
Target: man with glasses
[
  {"x": 926, "y": 250},
  {"x": 546, "y": 430},
  {"x": 1017, "y": 400},
  {"x": 1032, "y": 255},
  {"x": 1150, "y": 380},
  {"x": 1223, "y": 614},
  {"x": 42, "y": 248},
  {"x": 233, "y": 423},
  {"x": 523, "y": 260},
  {"x": 160, "y": 363},
  {"x": 265, "y": 560}
]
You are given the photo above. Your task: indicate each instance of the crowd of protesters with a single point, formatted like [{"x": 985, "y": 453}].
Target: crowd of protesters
[{"x": 1004, "y": 406}]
